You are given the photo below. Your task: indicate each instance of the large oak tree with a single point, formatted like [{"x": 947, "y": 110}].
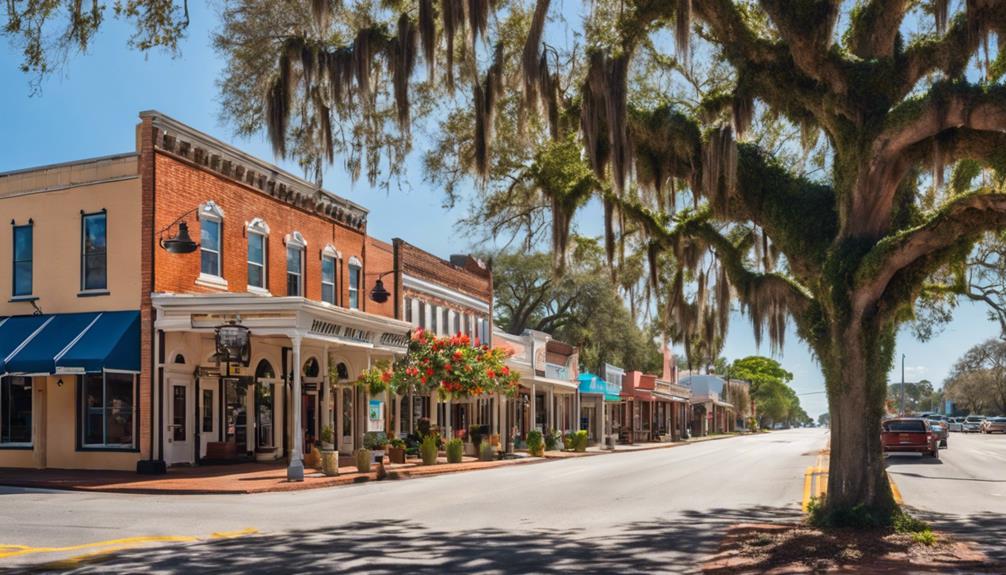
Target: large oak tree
[{"x": 901, "y": 91}]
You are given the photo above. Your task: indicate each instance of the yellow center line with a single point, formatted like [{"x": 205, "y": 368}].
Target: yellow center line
[
  {"x": 112, "y": 545},
  {"x": 894, "y": 490}
]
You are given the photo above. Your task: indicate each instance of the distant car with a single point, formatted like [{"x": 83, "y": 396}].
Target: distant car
[
  {"x": 911, "y": 435},
  {"x": 994, "y": 425},
  {"x": 954, "y": 423},
  {"x": 972, "y": 423},
  {"x": 941, "y": 431}
]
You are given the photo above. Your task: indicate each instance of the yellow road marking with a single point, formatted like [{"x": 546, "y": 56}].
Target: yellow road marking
[
  {"x": 808, "y": 478},
  {"x": 894, "y": 490},
  {"x": 815, "y": 481},
  {"x": 113, "y": 545},
  {"x": 233, "y": 534}
]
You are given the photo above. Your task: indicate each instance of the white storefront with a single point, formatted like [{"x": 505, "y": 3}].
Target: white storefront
[{"x": 210, "y": 410}]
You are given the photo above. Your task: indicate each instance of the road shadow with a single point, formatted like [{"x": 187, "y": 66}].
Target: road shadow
[
  {"x": 676, "y": 545},
  {"x": 910, "y": 459}
]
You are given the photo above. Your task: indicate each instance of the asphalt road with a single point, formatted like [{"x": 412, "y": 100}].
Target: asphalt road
[
  {"x": 650, "y": 511},
  {"x": 964, "y": 492}
]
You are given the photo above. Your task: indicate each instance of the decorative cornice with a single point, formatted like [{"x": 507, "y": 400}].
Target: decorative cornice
[{"x": 182, "y": 141}]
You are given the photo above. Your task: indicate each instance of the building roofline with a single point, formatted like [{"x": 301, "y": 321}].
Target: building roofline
[
  {"x": 69, "y": 163},
  {"x": 175, "y": 128}
]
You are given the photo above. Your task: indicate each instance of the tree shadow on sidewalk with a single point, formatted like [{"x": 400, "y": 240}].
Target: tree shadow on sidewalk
[
  {"x": 675, "y": 545},
  {"x": 987, "y": 529}
]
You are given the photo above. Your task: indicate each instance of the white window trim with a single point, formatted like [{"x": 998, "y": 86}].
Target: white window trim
[
  {"x": 354, "y": 262},
  {"x": 326, "y": 254},
  {"x": 296, "y": 240},
  {"x": 20, "y": 444},
  {"x": 262, "y": 231},
  {"x": 210, "y": 211}
]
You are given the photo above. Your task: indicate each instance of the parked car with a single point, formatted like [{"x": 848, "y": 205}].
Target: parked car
[
  {"x": 954, "y": 423},
  {"x": 941, "y": 432},
  {"x": 911, "y": 435},
  {"x": 994, "y": 425},
  {"x": 972, "y": 423}
]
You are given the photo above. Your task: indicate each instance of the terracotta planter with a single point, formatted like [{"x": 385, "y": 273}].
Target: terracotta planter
[{"x": 396, "y": 454}]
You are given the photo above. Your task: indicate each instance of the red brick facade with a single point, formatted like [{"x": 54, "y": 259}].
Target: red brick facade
[
  {"x": 182, "y": 186},
  {"x": 380, "y": 259}
]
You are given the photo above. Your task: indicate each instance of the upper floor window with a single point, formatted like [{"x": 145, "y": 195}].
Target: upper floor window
[
  {"x": 295, "y": 245},
  {"x": 94, "y": 252},
  {"x": 408, "y": 309},
  {"x": 210, "y": 222},
  {"x": 354, "y": 283},
  {"x": 22, "y": 260},
  {"x": 329, "y": 257},
  {"x": 257, "y": 231}
]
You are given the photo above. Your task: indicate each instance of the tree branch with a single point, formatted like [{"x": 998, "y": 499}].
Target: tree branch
[
  {"x": 912, "y": 255},
  {"x": 807, "y": 28},
  {"x": 874, "y": 28}
]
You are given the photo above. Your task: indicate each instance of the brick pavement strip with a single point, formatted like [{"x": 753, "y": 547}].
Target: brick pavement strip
[{"x": 247, "y": 478}]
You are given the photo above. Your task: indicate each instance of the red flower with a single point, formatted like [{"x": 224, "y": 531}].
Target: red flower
[
  {"x": 490, "y": 373},
  {"x": 429, "y": 371},
  {"x": 448, "y": 367}
]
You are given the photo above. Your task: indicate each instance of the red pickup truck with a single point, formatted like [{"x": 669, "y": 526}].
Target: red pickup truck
[{"x": 909, "y": 434}]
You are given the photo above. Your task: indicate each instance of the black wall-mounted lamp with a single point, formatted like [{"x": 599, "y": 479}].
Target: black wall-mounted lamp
[
  {"x": 181, "y": 243},
  {"x": 379, "y": 294}
]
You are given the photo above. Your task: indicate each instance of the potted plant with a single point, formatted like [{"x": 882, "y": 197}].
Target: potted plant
[
  {"x": 376, "y": 442},
  {"x": 363, "y": 457},
  {"x": 486, "y": 451},
  {"x": 329, "y": 458},
  {"x": 429, "y": 450},
  {"x": 535, "y": 443},
  {"x": 551, "y": 439},
  {"x": 455, "y": 449},
  {"x": 580, "y": 441},
  {"x": 396, "y": 450}
]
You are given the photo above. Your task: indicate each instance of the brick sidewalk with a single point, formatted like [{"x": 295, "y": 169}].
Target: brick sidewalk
[
  {"x": 242, "y": 478},
  {"x": 229, "y": 479}
]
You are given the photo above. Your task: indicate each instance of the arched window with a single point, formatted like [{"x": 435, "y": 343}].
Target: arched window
[
  {"x": 329, "y": 268},
  {"x": 311, "y": 368},
  {"x": 295, "y": 245},
  {"x": 264, "y": 370},
  {"x": 179, "y": 359},
  {"x": 210, "y": 241},
  {"x": 258, "y": 233},
  {"x": 355, "y": 267},
  {"x": 342, "y": 371}
]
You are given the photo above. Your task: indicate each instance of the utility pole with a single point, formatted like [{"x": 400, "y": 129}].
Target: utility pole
[{"x": 902, "y": 384}]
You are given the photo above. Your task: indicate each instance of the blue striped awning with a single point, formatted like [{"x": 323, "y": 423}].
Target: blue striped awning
[{"x": 71, "y": 343}]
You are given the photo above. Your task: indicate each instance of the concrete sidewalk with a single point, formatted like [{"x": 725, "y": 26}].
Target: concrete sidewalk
[{"x": 242, "y": 478}]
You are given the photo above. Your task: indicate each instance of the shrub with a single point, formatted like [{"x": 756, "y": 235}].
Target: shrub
[
  {"x": 429, "y": 450},
  {"x": 551, "y": 439},
  {"x": 328, "y": 435},
  {"x": 927, "y": 538},
  {"x": 362, "y": 460},
  {"x": 568, "y": 441},
  {"x": 580, "y": 440},
  {"x": 376, "y": 440},
  {"x": 455, "y": 448},
  {"x": 397, "y": 443},
  {"x": 535, "y": 443},
  {"x": 486, "y": 452}
]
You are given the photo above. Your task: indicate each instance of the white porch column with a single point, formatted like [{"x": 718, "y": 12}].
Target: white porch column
[
  {"x": 295, "y": 472},
  {"x": 327, "y": 413},
  {"x": 576, "y": 414},
  {"x": 551, "y": 408},
  {"x": 533, "y": 408},
  {"x": 604, "y": 426},
  {"x": 495, "y": 424}
]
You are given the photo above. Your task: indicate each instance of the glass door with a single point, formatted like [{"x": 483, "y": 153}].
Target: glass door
[
  {"x": 236, "y": 415},
  {"x": 346, "y": 416}
]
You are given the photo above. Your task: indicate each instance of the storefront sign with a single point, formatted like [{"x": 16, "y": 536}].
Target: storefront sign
[{"x": 375, "y": 415}]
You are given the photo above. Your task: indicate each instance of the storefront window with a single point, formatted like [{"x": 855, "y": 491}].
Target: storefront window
[
  {"x": 15, "y": 411},
  {"x": 207, "y": 407},
  {"x": 264, "y": 404},
  {"x": 107, "y": 409}
]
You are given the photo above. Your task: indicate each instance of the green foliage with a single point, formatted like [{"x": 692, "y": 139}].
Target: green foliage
[
  {"x": 429, "y": 450},
  {"x": 376, "y": 440},
  {"x": 580, "y": 441},
  {"x": 363, "y": 459},
  {"x": 552, "y": 438},
  {"x": 535, "y": 443},
  {"x": 455, "y": 449},
  {"x": 568, "y": 441},
  {"x": 328, "y": 435},
  {"x": 397, "y": 443},
  {"x": 486, "y": 451}
]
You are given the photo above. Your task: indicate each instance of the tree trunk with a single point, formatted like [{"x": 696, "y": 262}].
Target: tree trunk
[{"x": 856, "y": 376}]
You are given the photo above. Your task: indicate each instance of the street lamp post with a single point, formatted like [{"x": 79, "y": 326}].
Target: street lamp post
[{"x": 902, "y": 384}]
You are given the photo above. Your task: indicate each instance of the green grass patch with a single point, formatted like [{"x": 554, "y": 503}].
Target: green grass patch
[{"x": 865, "y": 517}]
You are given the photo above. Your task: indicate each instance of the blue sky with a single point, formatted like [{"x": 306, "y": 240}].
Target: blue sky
[{"x": 92, "y": 108}]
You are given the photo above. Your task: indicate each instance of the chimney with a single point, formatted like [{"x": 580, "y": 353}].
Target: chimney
[{"x": 670, "y": 366}]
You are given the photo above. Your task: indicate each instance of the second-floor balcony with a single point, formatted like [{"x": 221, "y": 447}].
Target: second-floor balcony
[{"x": 556, "y": 371}]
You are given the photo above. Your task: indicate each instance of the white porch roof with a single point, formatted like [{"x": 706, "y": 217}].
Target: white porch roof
[{"x": 293, "y": 317}]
